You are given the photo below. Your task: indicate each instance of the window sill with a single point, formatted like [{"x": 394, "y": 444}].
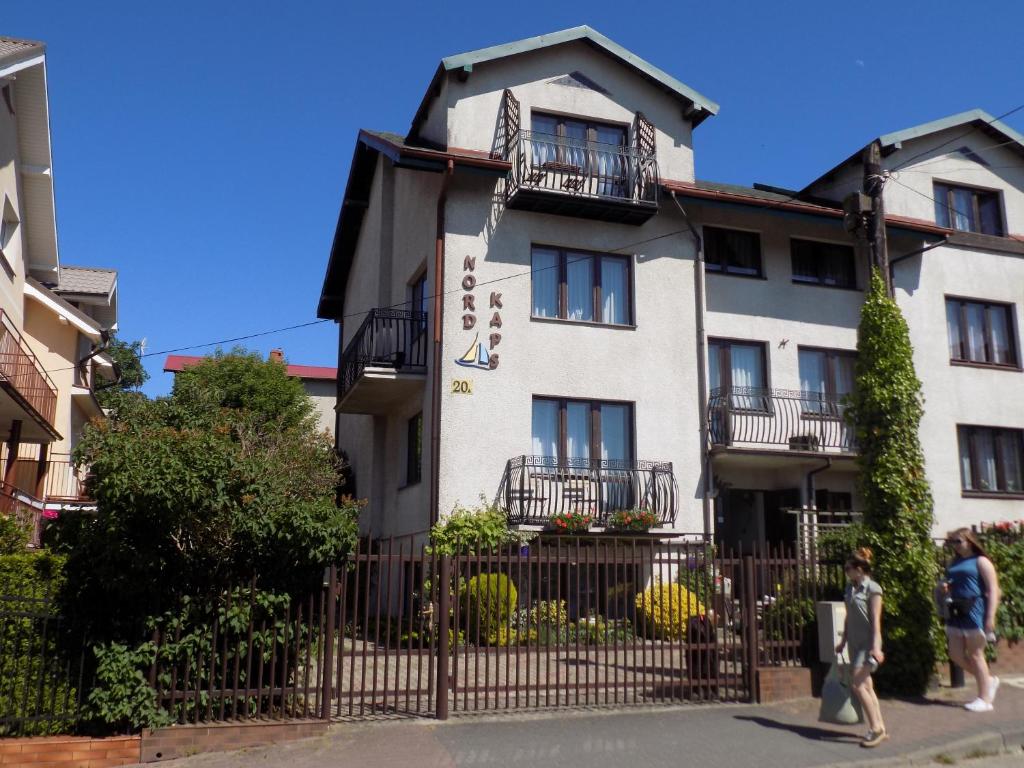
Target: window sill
[
  {"x": 733, "y": 274},
  {"x": 853, "y": 289},
  {"x": 413, "y": 484},
  {"x": 590, "y": 323},
  {"x": 986, "y": 366},
  {"x": 1008, "y": 495}
]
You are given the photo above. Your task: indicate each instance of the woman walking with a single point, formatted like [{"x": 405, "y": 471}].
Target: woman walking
[
  {"x": 972, "y": 599},
  {"x": 862, "y": 634}
]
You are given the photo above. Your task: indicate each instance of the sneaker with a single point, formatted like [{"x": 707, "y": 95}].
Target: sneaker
[
  {"x": 993, "y": 689},
  {"x": 874, "y": 739},
  {"x": 978, "y": 705}
]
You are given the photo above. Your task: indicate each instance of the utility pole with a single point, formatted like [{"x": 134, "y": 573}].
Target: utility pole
[{"x": 873, "y": 184}]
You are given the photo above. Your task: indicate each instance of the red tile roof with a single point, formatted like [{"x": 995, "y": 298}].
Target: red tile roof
[{"x": 175, "y": 363}]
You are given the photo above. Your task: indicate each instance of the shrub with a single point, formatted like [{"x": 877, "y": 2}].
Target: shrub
[
  {"x": 14, "y": 535},
  {"x": 121, "y": 697},
  {"x": 466, "y": 530},
  {"x": 663, "y": 610},
  {"x": 885, "y": 409},
  {"x": 1004, "y": 543},
  {"x": 638, "y": 520},
  {"x": 490, "y": 601},
  {"x": 570, "y": 522}
]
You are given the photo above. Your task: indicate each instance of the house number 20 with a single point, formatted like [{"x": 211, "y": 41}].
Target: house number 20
[{"x": 462, "y": 387}]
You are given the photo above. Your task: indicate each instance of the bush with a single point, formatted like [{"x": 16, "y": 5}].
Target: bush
[
  {"x": 31, "y": 652},
  {"x": 1004, "y": 543},
  {"x": 490, "y": 601},
  {"x": 663, "y": 610},
  {"x": 467, "y": 530},
  {"x": 121, "y": 698},
  {"x": 14, "y": 535}
]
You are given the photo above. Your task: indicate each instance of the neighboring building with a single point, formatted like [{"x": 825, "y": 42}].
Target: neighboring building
[
  {"x": 320, "y": 383},
  {"x": 55, "y": 319},
  {"x": 543, "y": 205}
]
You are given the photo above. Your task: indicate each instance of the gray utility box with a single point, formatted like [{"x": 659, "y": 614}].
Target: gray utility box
[{"x": 831, "y": 619}]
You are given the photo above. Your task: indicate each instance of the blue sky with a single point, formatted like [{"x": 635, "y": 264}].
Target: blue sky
[{"x": 201, "y": 148}]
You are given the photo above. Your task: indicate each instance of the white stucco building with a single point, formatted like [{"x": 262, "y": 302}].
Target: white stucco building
[{"x": 539, "y": 304}]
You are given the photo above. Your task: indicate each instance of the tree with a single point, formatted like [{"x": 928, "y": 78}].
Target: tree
[
  {"x": 127, "y": 355},
  {"x": 225, "y": 481},
  {"x": 886, "y": 410}
]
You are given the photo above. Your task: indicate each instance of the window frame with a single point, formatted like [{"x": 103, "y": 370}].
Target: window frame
[
  {"x": 594, "y": 405},
  {"x": 970, "y": 430},
  {"x": 414, "y": 450},
  {"x": 723, "y": 269},
  {"x": 976, "y": 193},
  {"x": 596, "y": 295},
  {"x": 804, "y": 280},
  {"x": 1011, "y": 332},
  {"x": 591, "y": 124},
  {"x": 725, "y": 371},
  {"x": 835, "y": 409}
]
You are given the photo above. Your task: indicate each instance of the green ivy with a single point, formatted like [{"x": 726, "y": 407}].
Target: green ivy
[{"x": 886, "y": 409}]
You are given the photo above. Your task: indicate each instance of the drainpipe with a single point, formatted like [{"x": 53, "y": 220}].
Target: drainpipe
[
  {"x": 435, "y": 395},
  {"x": 702, "y": 379},
  {"x": 810, "y": 483},
  {"x": 902, "y": 257}
]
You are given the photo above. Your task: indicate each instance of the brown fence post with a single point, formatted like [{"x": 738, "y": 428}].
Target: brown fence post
[
  {"x": 750, "y": 626},
  {"x": 444, "y": 586},
  {"x": 327, "y": 695}
]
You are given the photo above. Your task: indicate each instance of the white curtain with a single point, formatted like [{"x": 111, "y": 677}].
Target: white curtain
[
  {"x": 953, "y": 329},
  {"x": 966, "y": 479},
  {"x": 747, "y": 371},
  {"x": 1009, "y": 451},
  {"x": 545, "y": 428},
  {"x": 963, "y": 210},
  {"x": 543, "y": 141},
  {"x": 578, "y": 430},
  {"x": 976, "y": 332},
  {"x": 580, "y": 275},
  {"x": 615, "y": 432},
  {"x": 714, "y": 367},
  {"x": 545, "y": 282},
  {"x": 614, "y": 290},
  {"x": 1000, "y": 335},
  {"x": 813, "y": 371},
  {"x": 845, "y": 375},
  {"x": 985, "y": 452}
]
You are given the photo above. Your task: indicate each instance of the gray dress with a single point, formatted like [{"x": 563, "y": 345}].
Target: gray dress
[{"x": 859, "y": 635}]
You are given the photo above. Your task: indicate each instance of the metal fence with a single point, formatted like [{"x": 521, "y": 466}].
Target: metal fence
[{"x": 399, "y": 630}]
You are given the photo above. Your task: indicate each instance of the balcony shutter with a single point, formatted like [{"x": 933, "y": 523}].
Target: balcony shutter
[
  {"x": 643, "y": 135},
  {"x": 511, "y": 116}
]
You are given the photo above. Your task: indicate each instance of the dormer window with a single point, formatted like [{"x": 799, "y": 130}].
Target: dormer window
[{"x": 968, "y": 209}]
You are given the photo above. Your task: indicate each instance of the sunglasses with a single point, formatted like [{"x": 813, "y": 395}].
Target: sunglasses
[{"x": 954, "y": 542}]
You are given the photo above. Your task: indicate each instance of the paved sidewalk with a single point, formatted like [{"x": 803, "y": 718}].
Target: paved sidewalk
[{"x": 735, "y": 736}]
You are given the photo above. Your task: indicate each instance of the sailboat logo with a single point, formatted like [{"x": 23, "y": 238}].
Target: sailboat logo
[{"x": 476, "y": 356}]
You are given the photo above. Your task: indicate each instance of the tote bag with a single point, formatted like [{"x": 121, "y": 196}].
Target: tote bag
[{"x": 838, "y": 704}]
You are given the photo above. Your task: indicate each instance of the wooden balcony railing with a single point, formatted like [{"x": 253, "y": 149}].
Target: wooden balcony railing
[
  {"x": 583, "y": 169},
  {"x": 388, "y": 338},
  {"x": 62, "y": 480},
  {"x": 537, "y": 487},
  {"x": 751, "y": 417},
  {"x": 21, "y": 368}
]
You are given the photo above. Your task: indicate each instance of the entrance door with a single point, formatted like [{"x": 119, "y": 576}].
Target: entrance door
[
  {"x": 780, "y": 527},
  {"x": 740, "y": 520}
]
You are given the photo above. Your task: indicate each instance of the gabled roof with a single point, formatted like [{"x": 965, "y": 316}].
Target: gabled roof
[
  {"x": 176, "y": 363},
  {"x": 86, "y": 280},
  {"x": 701, "y": 106},
  {"x": 976, "y": 118},
  {"x": 14, "y": 49}
]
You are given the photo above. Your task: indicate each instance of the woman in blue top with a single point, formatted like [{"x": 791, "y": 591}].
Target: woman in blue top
[{"x": 972, "y": 599}]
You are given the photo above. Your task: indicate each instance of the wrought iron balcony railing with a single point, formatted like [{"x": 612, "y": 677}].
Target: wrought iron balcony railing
[
  {"x": 752, "y": 417},
  {"x": 537, "y": 487},
  {"x": 21, "y": 369},
  {"x": 388, "y": 338},
  {"x": 582, "y": 169}
]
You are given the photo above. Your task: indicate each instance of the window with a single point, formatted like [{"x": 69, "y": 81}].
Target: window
[
  {"x": 980, "y": 332},
  {"x": 833, "y": 501},
  {"x": 573, "y": 285},
  {"x": 732, "y": 251},
  {"x": 418, "y": 294},
  {"x": 581, "y": 147},
  {"x": 566, "y": 429},
  {"x": 826, "y": 377},
  {"x": 739, "y": 368},
  {"x": 967, "y": 209},
  {"x": 8, "y": 226},
  {"x": 823, "y": 264},
  {"x": 414, "y": 450},
  {"x": 990, "y": 460}
]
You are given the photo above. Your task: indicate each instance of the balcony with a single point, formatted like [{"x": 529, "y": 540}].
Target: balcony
[
  {"x": 587, "y": 179},
  {"x": 58, "y": 482},
  {"x": 27, "y": 394},
  {"x": 755, "y": 420},
  {"x": 536, "y": 487},
  {"x": 384, "y": 363}
]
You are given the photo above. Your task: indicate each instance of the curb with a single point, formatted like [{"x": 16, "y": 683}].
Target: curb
[{"x": 983, "y": 744}]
